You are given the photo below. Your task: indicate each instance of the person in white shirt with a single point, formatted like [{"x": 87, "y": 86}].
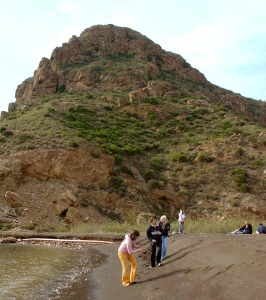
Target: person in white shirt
[
  {"x": 125, "y": 253},
  {"x": 181, "y": 221}
]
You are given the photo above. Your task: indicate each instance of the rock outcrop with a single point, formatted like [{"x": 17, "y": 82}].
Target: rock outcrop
[{"x": 63, "y": 186}]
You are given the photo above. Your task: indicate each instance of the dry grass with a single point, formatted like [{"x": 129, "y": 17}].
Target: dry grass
[{"x": 200, "y": 226}]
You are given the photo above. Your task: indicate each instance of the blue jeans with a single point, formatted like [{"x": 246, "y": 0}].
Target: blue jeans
[{"x": 164, "y": 246}]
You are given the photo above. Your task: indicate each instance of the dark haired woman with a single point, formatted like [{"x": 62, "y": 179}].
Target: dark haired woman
[
  {"x": 154, "y": 234},
  {"x": 125, "y": 252}
]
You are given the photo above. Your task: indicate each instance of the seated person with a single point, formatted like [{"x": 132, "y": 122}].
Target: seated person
[
  {"x": 261, "y": 229},
  {"x": 246, "y": 229}
]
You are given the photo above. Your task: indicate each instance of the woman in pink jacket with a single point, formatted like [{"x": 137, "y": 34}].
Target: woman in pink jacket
[{"x": 125, "y": 252}]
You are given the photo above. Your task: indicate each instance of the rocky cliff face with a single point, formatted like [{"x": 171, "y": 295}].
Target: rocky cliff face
[
  {"x": 52, "y": 188},
  {"x": 85, "y": 64}
]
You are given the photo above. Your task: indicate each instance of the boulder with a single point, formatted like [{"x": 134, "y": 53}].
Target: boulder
[
  {"x": 69, "y": 198},
  {"x": 61, "y": 207},
  {"x": 13, "y": 199},
  {"x": 73, "y": 215}
]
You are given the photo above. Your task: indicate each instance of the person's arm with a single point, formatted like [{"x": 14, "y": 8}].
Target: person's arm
[
  {"x": 167, "y": 227},
  {"x": 159, "y": 230},
  {"x": 149, "y": 236},
  {"x": 129, "y": 245}
]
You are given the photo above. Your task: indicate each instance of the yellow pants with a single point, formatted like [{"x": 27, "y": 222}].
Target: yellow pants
[{"x": 128, "y": 276}]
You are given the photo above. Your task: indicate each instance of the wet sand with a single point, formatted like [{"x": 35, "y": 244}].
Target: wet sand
[{"x": 197, "y": 267}]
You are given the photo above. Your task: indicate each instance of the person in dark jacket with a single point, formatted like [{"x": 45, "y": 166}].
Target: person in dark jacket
[
  {"x": 246, "y": 229},
  {"x": 154, "y": 234},
  {"x": 261, "y": 229},
  {"x": 166, "y": 227}
]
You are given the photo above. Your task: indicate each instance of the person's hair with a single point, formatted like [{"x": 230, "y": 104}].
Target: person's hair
[
  {"x": 163, "y": 219},
  {"x": 260, "y": 224},
  {"x": 134, "y": 235},
  {"x": 153, "y": 218}
]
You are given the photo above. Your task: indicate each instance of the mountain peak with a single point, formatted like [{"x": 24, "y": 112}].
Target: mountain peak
[{"x": 119, "y": 59}]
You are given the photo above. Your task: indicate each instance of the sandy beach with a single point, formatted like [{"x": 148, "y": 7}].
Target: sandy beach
[{"x": 197, "y": 267}]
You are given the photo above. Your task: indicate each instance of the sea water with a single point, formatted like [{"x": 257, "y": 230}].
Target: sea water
[{"x": 43, "y": 272}]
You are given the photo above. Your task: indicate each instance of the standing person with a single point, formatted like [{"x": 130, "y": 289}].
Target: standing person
[
  {"x": 125, "y": 253},
  {"x": 166, "y": 227},
  {"x": 181, "y": 221},
  {"x": 154, "y": 234}
]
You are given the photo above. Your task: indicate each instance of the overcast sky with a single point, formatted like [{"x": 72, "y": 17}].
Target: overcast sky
[{"x": 223, "y": 39}]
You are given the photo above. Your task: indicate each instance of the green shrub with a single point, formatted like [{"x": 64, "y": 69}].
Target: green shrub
[
  {"x": 118, "y": 159},
  {"x": 30, "y": 147},
  {"x": 125, "y": 170},
  {"x": 258, "y": 162},
  {"x": 148, "y": 174},
  {"x": 73, "y": 144},
  {"x": 29, "y": 226},
  {"x": 118, "y": 183},
  {"x": 61, "y": 88},
  {"x": 156, "y": 163},
  {"x": 203, "y": 157},
  {"x": 151, "y": 100},
  {"x": 24, "y": 137},
  {"x": 226, "y": 125},
  {"x": 244, "y": 187},
  {"x": 8, "y": 133},
  {"x": 155, "y": 184},
  {"x": 180, "y": 157},
  {"x": 235, "y": 203},
  {"x": 240, "y": 179},
  {"x": 239, "y": 152},
  {"x": 6, "y": 227}
]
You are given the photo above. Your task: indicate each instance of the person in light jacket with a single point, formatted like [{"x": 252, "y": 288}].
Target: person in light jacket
[
  {"x": 125, "y": 253},
  {"x": 181, "y": 221},
  {"x": 166, "y": 227}
]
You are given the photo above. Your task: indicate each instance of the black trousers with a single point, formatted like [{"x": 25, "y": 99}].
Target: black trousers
[{"x": 156, "y": 251}]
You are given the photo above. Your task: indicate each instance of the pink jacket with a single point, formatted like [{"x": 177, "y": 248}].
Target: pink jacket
[{"x": 127, "y": 246}]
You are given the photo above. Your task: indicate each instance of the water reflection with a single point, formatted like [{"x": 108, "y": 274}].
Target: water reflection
[{"x": 40, "y": 272}]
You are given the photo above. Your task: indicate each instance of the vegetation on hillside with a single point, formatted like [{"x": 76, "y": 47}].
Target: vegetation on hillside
[{"x": 166, "y": 139}]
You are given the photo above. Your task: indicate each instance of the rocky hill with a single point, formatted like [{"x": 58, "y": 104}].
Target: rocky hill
[{"x": 112, "y": 126}]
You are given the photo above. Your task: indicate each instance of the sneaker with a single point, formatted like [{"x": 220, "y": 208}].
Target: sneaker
[
  {"x": 159, "y": 265},
  {"x": 128, "y": 284},
  {"x": 151, "y": 267}
]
